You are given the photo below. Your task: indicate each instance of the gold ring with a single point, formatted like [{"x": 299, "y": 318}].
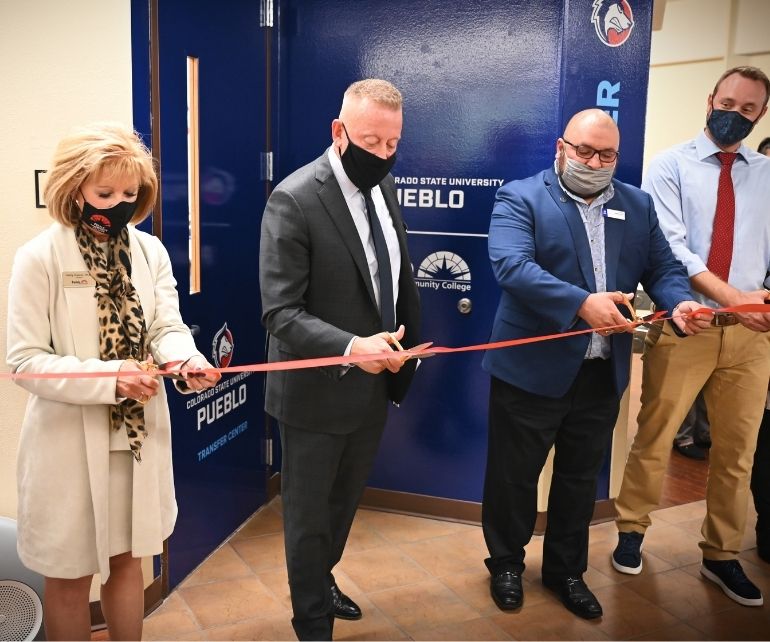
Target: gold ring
[{"x": 143, "y": 399}]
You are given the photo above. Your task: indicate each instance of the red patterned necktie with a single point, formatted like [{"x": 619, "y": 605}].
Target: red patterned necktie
[{"x": 721, "y": 252}]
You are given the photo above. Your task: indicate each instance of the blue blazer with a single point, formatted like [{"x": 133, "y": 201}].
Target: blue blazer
[{"x": 541, "y": 259}]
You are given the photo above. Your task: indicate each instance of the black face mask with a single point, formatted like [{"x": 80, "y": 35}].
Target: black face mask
[
  {"x": 728, "y": 127},
  {"x": 109, "y": 221},
  {"x": 364, "y": 169}
]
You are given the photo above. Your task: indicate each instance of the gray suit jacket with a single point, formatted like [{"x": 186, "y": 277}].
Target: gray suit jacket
[{"x": 317, "y": 294}]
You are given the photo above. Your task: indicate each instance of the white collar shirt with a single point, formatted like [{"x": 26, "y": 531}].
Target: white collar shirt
[{"x": 357, "y": 206}]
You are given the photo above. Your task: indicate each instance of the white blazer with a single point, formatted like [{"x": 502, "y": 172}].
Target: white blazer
[{"x": 63, "y": 459}]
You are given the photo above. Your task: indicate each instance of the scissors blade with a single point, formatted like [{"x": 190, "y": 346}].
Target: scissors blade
[{"x": 420, "y": 347}]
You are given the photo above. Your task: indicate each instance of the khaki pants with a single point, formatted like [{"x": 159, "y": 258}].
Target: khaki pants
[{"x": 732, "y": 366}]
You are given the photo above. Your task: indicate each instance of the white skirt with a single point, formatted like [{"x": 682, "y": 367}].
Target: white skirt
[{"x": 121, "y": 498}]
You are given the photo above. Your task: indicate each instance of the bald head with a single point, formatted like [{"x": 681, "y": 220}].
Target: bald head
[
  {"x": 588, "y": 149},
  {"x": 590, "y": 128},
  {"x": 589, "y": 120}
]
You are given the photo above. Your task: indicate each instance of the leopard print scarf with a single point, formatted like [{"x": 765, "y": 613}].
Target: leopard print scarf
[{"x": 122, "y": 331}]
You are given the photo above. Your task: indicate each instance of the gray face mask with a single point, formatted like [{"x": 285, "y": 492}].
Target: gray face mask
[{"x": 582, "y": 180}]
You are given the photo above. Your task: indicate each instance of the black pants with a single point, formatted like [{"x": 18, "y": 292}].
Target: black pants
[
  {"x": 522, "y": 429},
  {"x": 760, "y": 485},
  {"x": 322, "y": 479}
]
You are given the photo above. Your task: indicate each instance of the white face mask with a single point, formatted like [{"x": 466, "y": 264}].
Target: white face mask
[{"x": 583, "y": 180}]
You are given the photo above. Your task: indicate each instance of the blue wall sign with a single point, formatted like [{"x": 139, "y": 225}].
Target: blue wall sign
[{"x": 487, "y": 90}]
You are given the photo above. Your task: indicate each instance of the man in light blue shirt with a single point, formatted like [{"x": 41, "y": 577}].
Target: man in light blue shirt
[{"x": 712, "y": 196}]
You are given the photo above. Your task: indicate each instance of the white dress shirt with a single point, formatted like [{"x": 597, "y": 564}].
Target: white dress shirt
[{"x": 357, "y": 206}]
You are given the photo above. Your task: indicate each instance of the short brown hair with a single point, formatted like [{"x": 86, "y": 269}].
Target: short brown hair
[
  {"x": 92, "y": 150},
  {"x": 380, "y": 91},
  {"x": 752, "y": 73}
]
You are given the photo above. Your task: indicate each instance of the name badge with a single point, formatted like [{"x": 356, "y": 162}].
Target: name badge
[
  {"x": 618, "y": 214},
  {"x": 77, "y": 280}
]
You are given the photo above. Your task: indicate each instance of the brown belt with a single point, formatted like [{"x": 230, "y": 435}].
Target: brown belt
[{"x": 722, "y": 319}]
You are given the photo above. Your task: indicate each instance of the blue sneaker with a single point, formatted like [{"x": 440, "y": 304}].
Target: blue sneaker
[
  {"x": 627, "y": 556},
  {"x": 729, "y": 576}
]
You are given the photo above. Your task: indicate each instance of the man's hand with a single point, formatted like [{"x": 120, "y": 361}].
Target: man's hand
[
  {"x": 756, "y": 321},
  {"x": 600, "y": 310},
  {"x": 379, "y": 342},
  {"x": 688, "y": 323}
]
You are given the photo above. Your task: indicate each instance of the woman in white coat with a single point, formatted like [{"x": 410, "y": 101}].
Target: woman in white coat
[{"x": 94, "y": 294}]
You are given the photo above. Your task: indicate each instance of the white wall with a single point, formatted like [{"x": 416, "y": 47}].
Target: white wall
[
  {"x": 62, "y": 63},
  {"x": 699, "y": 40}
]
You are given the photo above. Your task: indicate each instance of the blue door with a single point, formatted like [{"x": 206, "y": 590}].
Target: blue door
[
  {"x": 488, "y": 87},
  {"x": 218, "y": 437}
]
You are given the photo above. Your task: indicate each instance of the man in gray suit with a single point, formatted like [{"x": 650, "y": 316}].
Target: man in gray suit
[{"x": 336, "y": 280}]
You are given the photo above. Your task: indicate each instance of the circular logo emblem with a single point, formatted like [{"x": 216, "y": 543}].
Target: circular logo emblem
[{"x": 613, "y": 21}]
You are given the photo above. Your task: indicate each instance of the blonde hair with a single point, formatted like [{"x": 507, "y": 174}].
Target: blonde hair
[
  {"x": 379, "y": 91},
  {"x": 94, "y": 150}
]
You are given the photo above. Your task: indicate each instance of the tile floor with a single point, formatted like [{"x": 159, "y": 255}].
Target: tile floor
[{"x": 423, "y": 579}]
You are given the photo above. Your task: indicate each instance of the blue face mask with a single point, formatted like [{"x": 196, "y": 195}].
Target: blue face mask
[{"x": 728, "y": 127}]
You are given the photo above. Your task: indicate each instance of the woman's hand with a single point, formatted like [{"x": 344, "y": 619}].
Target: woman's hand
[
  {"x": 194, "y": 378},
  {"x": 140, "y": 387}
]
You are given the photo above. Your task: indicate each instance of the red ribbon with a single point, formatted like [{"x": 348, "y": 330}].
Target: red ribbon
[{"x": 321, "y": 362}]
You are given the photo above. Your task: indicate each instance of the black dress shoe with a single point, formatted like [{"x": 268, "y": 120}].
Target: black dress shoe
[
  {"x": 575, "y": 596},
  {"x": 344, "y": 607},
  {"x": 691, "y": 451},
  {"x": 506, "y": 590}
]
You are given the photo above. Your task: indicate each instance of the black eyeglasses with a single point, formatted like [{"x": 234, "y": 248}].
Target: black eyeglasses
[{"x": 587, "y": 153}]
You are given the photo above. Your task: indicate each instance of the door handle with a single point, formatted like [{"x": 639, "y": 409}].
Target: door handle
[{"x": 464, "y": 305}]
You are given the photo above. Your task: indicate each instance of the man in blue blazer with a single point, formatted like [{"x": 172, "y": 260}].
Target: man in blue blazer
[{"x": 567, "y": 246}]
